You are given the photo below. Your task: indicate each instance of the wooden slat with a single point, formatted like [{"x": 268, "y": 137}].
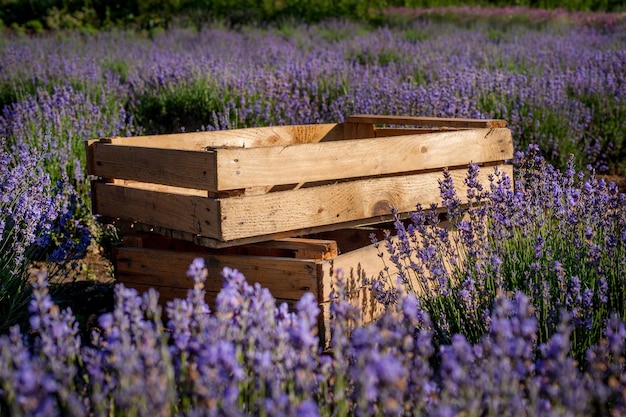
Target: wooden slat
[
  {"x": 290, "y": 212},
  {"x": 286, "y": 277},
  {"x": 243, "y": 168},
  {"x": 304, "y": 248},
  {"x": 384, "y": 132},
  {"x": 369, "y": 309},
  {"x": 187, "y": 213},
  {"x": 350, "y": 239},
  {"x": 427, "y": 121},
  {"x": 248, "y": 137},
  {"x": 174, "y": 167},
  {"x": 160, "y": 187},
  {"x": 334, "y": 204},
  {"x": 358, "y": 130}
]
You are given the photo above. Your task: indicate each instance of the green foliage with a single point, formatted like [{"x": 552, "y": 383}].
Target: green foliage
[
  {"x": 148, "y": 14},
  {"x": 608, "y": 123},
  {"x": 185, "y": 106}
]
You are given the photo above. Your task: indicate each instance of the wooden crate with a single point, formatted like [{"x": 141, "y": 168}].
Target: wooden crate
[
  {"x": 235, "y": 187},
  {"x": 288, "y": 267}
]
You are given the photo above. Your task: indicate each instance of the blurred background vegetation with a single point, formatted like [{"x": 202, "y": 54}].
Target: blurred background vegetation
[{"x": 39, "y": 15}]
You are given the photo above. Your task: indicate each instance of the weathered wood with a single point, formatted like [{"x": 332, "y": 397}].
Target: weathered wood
[
  {"x": 385, "y": 132},
  {"x": 242, "y": 168},
  {"x": 246, "y": 138},
  {"x": 334, "y": 204},
  {"x": 174, "y": 167},
  {"x": 286, "y": 277},
  {"x": 358, "y": 130},
  {"x": 189, "y": 213},
  {"x": 159, "y": 187},
  {"x": 232, "y": 219},
  {"x": 427, "y": 121},
  {"x": 252, "y": 168}
]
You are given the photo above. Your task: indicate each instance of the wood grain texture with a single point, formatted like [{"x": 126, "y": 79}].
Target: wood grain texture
[
  {"x": 189, "y": 213},
  {"x": 285, "y": 277},
  {"x": 243, "y": 168},
  {"x": 174, "y": 167},
  {"x": 290, "y": 212},
  {"x": 245, "y": 138},
  {"x": 335, "y": 204},
  {"x": 427, "y": 121}
]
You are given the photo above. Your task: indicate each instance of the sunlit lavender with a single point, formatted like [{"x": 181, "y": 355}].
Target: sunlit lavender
[
  {"x": 557, "y": 236},
  {"x": 558, "y": 86},
  {"x": 251, "y": 356},
  {"x": 513, "y": 305}
]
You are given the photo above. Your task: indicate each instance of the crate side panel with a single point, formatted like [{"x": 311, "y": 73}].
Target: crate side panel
[
  {"x": 186, "y": 213},
  {"x": 243, "y": 168},
  {"x": 284, "y": 277},
  {"x": 340, "y": 203},
  {"x": 246, "y": 137},
  {"x": 427, "y": 121},
  {"x": 179, "y": 168},
  {"x": 369, "y": 310}
]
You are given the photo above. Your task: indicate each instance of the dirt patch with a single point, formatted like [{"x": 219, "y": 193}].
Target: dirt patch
[
  {"x": 87, "y": 289},
  {"x": 620, "y": 181}
]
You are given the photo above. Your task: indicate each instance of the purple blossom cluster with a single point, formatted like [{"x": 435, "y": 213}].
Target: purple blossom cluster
[
  {"x": 560, "y": 87},
  {"x": 34, "y": 224},
  {"x": 57, "y": 123},
  {"x": 558, "y": 236},
  {"x": 250, "y": 356}
]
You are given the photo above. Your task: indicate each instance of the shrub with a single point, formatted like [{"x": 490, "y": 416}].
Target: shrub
[
  {"x": 559, "y": 237},
  {"x": 37, "y": 223},
  {"x": 252, "y": 357}
]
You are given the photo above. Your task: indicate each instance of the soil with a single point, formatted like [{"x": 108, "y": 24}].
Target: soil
[
  {"x": 87, "y": 289},
  {"x": 620, "y": 181}
]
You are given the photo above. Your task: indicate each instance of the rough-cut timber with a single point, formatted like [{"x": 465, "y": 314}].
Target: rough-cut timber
[
  {"x": 288, "y": 268},
  {"x": 235, "y": 187}
]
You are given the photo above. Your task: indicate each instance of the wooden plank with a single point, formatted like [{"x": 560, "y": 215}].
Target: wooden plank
[
  {"x": 286, "y": 277},
  {"x": 245, "y": 220},
  {"x": 160, "y": 187},
  {"x": 247, "y": 137},
  {"x": 427, "y": 121},
  {"x": 358, "y": 130},
  {"x": 352, "y": 238},
  {"x": 187, "y": 213},
  {"x": 369, "y": 309},
  {"x": 385, "y": 132},
  {"x": 174, "y": 167},
  {"x": 243, "y": 168},
  {"x": 335, "y": 204},
  {"x": 213, "y": 243},
  {"x": 355, "y": 266},
  {"x": 304, "y": 248}
]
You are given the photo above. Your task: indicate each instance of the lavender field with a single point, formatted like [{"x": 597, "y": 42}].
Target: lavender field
[{"x": 527, "y": 314}]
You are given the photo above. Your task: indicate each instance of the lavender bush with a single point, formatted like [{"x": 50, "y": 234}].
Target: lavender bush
[
  {"x": 36, "y": 223},
  {"x": 559, "y": 86},
  {"x": 560, "y": 237},
  {"x": 252, "y": 357}
]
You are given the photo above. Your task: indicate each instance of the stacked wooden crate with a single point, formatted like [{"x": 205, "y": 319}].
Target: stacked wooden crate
[{"x": 287, "y": 205}]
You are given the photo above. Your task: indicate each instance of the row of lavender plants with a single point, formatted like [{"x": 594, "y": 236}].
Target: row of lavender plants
[
  {"x": 526, "y": 314},
  {"x": 557, "y": 236},
  {"x": 560, "y": 86},
  {"x": 533, "y": 283}
]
